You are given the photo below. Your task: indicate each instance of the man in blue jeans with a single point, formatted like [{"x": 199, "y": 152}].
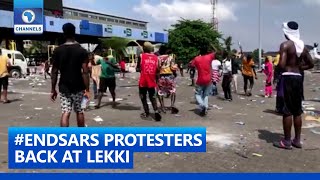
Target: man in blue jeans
[{"x": 204, "y": 84}]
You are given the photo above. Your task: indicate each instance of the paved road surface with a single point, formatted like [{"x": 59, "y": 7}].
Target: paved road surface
[{"x": 230, "y": 146}]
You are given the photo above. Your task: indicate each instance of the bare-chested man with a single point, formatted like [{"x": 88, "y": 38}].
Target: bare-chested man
[{"x": 292, "y": 53}]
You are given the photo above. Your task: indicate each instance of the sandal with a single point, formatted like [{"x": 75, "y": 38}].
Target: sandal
[
  {"x": 163, "y": 110},
  {"x": 6, "y": 102},
  {"x": 157, "y": 116},
  {"x": 282, "y": 145},
  {"x": 144, "y": 115},
  {"x": 296, "y": 144},
  {"x": 174, "y": 110}
]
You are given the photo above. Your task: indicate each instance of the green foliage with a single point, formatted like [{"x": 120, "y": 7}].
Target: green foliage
[
  {"x": 228, "y": 44},
  {"x": 116, "y": 43},
  {"x": 187, "y": 37},
  {"x": 37, "y": 47},
  {"x": 255, "y": 55}
]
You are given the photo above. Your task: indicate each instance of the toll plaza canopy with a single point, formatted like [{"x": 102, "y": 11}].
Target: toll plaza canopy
[{"x": 85, "y": 28}]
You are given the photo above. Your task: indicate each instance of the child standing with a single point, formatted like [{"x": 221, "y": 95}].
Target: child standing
[{"x": 268, "y": 71}]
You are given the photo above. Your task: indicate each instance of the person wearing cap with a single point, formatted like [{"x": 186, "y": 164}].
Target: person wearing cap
[
  {"x": 149, "y": 70},
  {"x": 292, "y": 53},
  {"x": 71, "y": 60}
]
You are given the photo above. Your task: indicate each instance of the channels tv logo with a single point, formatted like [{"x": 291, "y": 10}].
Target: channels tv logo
[{"x": 28, "y": 17}]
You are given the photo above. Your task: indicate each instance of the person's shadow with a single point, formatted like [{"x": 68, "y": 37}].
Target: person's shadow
[
  {"x": 268, "y": 136},
  {"x": 269, "y": 111}
]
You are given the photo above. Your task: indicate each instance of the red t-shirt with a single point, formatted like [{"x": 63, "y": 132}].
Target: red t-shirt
[
  {"x": 122, "y": 65},
  {"x": 149, "y": 65},
  {"x": 203, "y": 66}
]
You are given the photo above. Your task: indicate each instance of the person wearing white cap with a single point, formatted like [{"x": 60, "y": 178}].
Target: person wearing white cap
[{"x": 292, "y": 54}]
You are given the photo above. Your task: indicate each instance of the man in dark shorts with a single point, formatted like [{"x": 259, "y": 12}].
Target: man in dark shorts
[
  {"x": 107, "y": 78},
  {"x": 4, "y": 77},
  {"x": 71, "y": 60},
  {"x": 292, "y": 53},
  {"x": 148, "y": 68}
]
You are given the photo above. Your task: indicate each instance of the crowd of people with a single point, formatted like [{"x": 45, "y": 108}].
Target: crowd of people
[{"x": 158, "y": 73}]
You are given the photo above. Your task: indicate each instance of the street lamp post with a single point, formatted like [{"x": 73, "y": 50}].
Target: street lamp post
[{"x": 260, "y": 46}]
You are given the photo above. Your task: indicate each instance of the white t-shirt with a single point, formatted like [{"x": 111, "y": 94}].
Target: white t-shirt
[
  {"x": 227, "y": 67},
  {"x": 215, "y": 65}
]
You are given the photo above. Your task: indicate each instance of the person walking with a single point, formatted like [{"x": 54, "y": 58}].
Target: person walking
[
  {"x": 227, "y": 77},
  {"x": 249, "y": 74},
  {"x": 268, "y": 71},
  {"x": 71, "y": 60},
  {"x": 149, "y": 70},
  {"x": 204, "y": 84},
  {"x": 4, "y": 77},
  {"x": 216, "y": 74}
]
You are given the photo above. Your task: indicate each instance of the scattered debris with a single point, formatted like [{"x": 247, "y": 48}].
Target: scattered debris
[
  {"x": 314, "y": 131},
  {"x": 242, "y": 98},
  {"x": 147, "y": 156},
  {"x": 38, "y": 109},
  {"x": 310, "y": 108},
  {"x": 217, "y": 107},
  {"x": 240, "y": 114},
  {"x": 4, "y": 162},
  {"x": 117, "y": 99},
  {"x": 242, "y": 155},
  {"x": 257, "y": 155},
  {"x": 309, "y": 126},
  {"x": 240, "y": 123},
  {"x": 262, "y": 102},
  {"x": 27, "y": 118},
  {"x": 312, "y": 118},
  {"x": 98, "y": 119},
  {"x": 177, "y": 115},
  {"x": 166, "y": 153},
  {"x": 253, "y": 100}
]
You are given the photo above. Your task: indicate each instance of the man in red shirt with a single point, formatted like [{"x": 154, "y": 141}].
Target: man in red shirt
[
  {"x": 123, "y": 68},
  {"x": 148, "y": 68},
  {"x": 203, "y": 65}
]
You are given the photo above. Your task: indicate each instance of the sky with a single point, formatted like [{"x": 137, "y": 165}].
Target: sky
[{"x": 237, "y": 18}]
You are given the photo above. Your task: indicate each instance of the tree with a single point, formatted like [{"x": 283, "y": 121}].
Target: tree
[
  {"x": 187, "y": 37},
  {"x": 37, "y": 47},
  {"x": 228, "y": 44},
  {"x": 255, "y": 55},
  {"x": 116, "y": 43}
]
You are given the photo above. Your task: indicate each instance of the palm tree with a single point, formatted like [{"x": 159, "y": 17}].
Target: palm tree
[{"x": 228, "y": 44}]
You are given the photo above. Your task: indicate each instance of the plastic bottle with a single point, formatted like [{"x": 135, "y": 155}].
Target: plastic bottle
[{"x": 84, "y": 102}]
